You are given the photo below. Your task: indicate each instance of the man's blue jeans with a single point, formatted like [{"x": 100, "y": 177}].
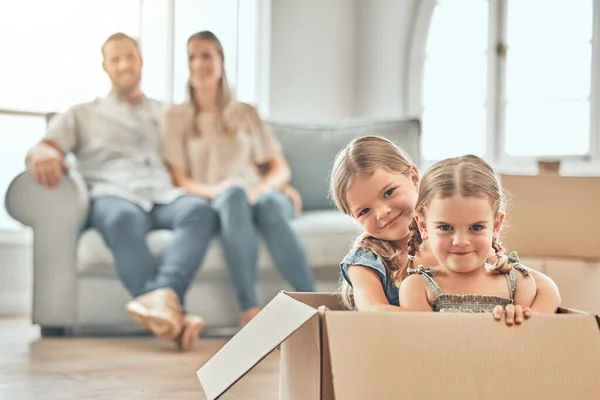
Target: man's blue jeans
[{"x": 124, "y": 226}]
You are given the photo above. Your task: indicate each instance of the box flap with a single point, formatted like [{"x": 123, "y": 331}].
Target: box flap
[
  {"x": 330, "y": 300},
  {"x": 276, "y": 321},
  {"x": 565, "y": 310},
  {"x": 299, "y": 361},
  {"x": 433, "y": 356}
]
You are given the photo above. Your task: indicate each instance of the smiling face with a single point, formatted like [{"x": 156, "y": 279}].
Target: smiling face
[
  {"x": 460, "y": 231},
  {"x": 123, "y": 64},
  {"x": 205, "y": 62},
  {"x": 383, "y": 202}
]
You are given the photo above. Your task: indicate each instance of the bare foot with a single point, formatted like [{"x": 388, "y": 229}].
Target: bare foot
[{"x": 247, "y": 315}]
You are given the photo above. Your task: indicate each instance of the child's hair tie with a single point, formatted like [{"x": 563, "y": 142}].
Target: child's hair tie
[{"x": 411, "y": 257}]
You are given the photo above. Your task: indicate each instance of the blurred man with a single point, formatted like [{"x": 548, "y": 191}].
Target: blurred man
[{"x": 117, "y": 145}]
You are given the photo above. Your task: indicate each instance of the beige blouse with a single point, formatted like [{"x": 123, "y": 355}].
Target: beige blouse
[{"x": 200, "y": 145}]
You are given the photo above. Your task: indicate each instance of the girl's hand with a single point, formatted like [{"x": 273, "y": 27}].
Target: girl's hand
[{"x": 513, "y": 314}]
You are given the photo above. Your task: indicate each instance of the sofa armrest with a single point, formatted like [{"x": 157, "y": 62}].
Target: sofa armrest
[
  {"x": 56, "y": 216},
  {"x": 31, "y": 203}
]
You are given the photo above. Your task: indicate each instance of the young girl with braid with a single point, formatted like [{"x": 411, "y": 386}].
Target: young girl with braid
[
  {"x": 375, "y": 182},
  {"x": 459, "y": 212}
]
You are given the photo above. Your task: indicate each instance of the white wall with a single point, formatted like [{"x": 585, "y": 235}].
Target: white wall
[
  {"x": 312, "y": 59},
  {"x": 338, "y": 59},
  {"x": 383, "y": 31}
]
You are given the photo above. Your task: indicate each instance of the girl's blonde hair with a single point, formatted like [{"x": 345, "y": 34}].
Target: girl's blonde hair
[
  {"x": 364, "y": 155},
  {"x": 225, "y": 98},
  {"x": 467, "y": 176}
]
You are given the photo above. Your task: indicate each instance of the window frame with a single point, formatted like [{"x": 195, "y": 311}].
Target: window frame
[{"x": 496, "y": 89}]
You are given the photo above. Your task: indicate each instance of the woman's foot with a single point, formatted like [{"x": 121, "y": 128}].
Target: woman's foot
[
  {"x": 247, "y": 315},
  {"x": 192, "y": 327},
  {"x": 158, "y": 311}
]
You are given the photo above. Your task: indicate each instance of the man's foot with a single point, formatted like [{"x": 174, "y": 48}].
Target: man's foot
[
  {"x": 192, "y": 327},
  {"x": 158, "y": 311},
  {"x": 247, "y": 315}
]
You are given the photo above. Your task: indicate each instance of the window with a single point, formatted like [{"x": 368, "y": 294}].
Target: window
[
  {"x": 56, "y": 60},
  {"x": 510, "y": 80},
  {"x": 155, "y": 44},
  {"x": 55, "y": 50},
  {"x": 455, "y": 80},
  {"x": 17, "y": 134},
  {"x": 548, "y": 77},
  {"x": 234, "y": 24}
]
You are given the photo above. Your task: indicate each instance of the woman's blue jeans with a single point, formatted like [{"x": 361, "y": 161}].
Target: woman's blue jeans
[{"x": 240, "y": 223}]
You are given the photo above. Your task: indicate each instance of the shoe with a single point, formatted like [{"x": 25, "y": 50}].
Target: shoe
[
  {"x": 192, "y": 327},
  {"x": 158, "y": 311}
]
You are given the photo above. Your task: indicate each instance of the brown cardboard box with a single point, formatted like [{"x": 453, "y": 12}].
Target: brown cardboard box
[
  {"x": 552, "y": 216},
  {"x": 331, "y": 354},
  {"x": 578, "y": 280}
]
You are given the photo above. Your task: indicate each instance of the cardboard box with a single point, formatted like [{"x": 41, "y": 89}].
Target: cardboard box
[
  {"x": 552, "y": 216},
  {"x": 578, "y": 280},
  {"x": 330, "y": 354}
]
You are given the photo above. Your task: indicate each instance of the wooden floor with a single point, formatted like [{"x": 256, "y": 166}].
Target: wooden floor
[{"x": 113, "y": 368}]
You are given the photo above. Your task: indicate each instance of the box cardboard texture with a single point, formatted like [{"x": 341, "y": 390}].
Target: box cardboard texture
[
  {"x": 327, "y": 354},
  {"x": 552, "y": 216}
]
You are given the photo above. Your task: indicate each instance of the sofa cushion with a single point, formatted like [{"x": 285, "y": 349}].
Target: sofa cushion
[
  {"x": 327, "y": 236},
  {"x": 311, "y": 148}
]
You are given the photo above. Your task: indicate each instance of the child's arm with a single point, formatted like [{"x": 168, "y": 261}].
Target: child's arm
[
  {"x": 525, "y": 290},
  {"x": 547, "y": 299},
  {"x": 368, "y": 293},
  {"x": 413, "y": 294}
]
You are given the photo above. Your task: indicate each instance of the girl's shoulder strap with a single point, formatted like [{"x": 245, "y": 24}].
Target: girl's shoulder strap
[
  {"x": 515, "y": 265},
  {"x": 427, "y": 274}
]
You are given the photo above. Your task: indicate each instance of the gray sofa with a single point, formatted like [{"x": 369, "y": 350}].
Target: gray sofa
[{"x": 76, "y": 289}]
